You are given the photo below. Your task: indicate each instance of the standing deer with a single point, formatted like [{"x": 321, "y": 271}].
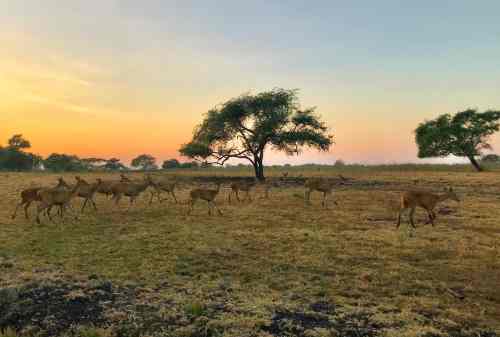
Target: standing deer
[
  {"x": 31, "y": 194},
  {"x": 244, "y": 186},
  {"x": 87, "y": 191},
  {"x": 204, "y": 194},
  {"x": 130, "y": 189},
  {"x": 160, "y": 186},
  {"x": 426, "y": 200},
  {"x": 105, "y": 186},
  {"x": 321, "y": 185},
  {"x": 59, "y": 196}
]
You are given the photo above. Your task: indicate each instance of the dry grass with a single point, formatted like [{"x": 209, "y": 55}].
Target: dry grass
[{"x": 278, "y": 254}]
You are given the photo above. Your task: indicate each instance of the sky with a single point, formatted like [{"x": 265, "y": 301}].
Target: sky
[{"x": 120, "y": 78}]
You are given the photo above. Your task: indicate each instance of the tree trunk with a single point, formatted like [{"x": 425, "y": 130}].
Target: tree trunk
[
  {"x": 259, "y": 170},
  {"x": 475, "y": 164}
]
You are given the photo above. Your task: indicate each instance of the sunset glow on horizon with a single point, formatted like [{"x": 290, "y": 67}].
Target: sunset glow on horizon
[{"x": 119, "y": 78}]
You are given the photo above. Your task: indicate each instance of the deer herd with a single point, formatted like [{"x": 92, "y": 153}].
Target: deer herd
[{"x": 62, "y": 194}]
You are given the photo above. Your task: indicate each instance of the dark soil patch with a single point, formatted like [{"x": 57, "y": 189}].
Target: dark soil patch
[
  {"x": 52, "y": 308},
  {"x": 326, "y": 316}
]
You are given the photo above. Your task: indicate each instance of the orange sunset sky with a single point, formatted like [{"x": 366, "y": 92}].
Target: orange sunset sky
[{"x": 121, "y": 78}]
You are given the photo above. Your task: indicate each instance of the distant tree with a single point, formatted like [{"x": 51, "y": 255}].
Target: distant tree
[
  {"x": 63, "y": 163},
  {"x": 189, "y": 165},
  {"x": 245, "y": 126},
  {"x": 17, "y": 142},
  {"x": 339, "y": 163},
  {"x": 13, "y": 158},
  {"x": 144, "y": 162},
  {"x": 491, "y": 158},
  {"x": 170, "y": 164},
  {"x": 464, "y": 134},
  {"x": 114, "y": 164},
  {"x": 92, "y": 163}
]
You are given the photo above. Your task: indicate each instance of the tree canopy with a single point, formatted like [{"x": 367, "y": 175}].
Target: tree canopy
[
  {"x": 18, "y": 142},
  {"x": 245, "y": 126},
  {"x": 170, "y": 164},
  {"x": 144, "y": 162},
  {"x": 464, "y": 134},
  {"x": 114, "y": 164},
  {"x": 59, "y": 162},
  {"x": 14, "y": 158}
]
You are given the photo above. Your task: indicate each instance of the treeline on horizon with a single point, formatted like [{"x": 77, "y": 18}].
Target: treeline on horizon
[{"x": 15, "y": 157}]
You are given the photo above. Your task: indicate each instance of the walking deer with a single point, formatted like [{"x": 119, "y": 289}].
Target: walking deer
[
  {"x": 244, "y": 186},
  {"x": 321, "y": 185},
  {"x": 206, "y": 194},
  {"x": 30, "y": 195},
  {"x": 426, "y": 200},
  {"x": 87, "y": 191},
  {"x": 59, "y": 196},
  {"x": 161, "y": 186},
  {"x": 130, "y": 189}
]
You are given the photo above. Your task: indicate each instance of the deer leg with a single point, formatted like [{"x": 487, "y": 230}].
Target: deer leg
[
  {"x": 93, "y": 203},
  {"x": 117, "y": 198},
  {"x": 433, "y": 217},
  {"x": 209, "y": 208},
  {"x": 229, "y": 196},
  {"x": 39, "y": 208},
  {"x": 399, "y": 218},
  {"x": 217, "y": 208},
  {"x": 238, "y": 196},
  {"x": 307, "y": 197},
  {"x": 84, "y": 204},
  {"x": 173, "y": 196},
  {"x": 15, "y": 211},
  {"x": 325, "y": 200},
  {"x": 412, "y": 213},
  {"x": 190, "y": 206},
  {"x": 152, "y": 196}
]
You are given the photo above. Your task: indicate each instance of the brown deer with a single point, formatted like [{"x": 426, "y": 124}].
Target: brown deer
[
  {"x": 204, "y": 194},
  {"x": 321, "y": 185},
  {"x": 105, "y": 186},
  {"x": 30, "y": 195},
  {"x": 59, "y": 196},
  {"x": 130, "y": 189},
  {"x": 426, "y": 200},
  {"x": 244, "y": 186},
  {"x": 87, "y": 191},
  {"x": 161, "y": 186}
]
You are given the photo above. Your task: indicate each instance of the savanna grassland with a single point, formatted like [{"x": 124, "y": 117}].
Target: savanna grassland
[{"x": 270, "y": 267}]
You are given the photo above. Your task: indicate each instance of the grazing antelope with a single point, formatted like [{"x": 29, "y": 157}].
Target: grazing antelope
[
  {"x": 244, "y": 186},
  {"x": 87, "y": 191},
  {"x": 204, "y": 194},
  {"x": 426, "y": 200},
  {"x": 130, "y": 189},
  {"x": 160, "y": 186},
  {"x": 321, "y": 185},
  {"x": 59, "y": 196},
  {"x": 31, "y": 194}
]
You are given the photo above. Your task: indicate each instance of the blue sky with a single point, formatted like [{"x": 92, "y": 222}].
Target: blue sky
[{"x": 373, "y": 69}]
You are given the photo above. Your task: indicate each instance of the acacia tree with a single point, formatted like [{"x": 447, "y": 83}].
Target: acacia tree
[
  {"x": 18, "y": 143},
  {"x": 245, "y": 126},
  {"x": 114, "y": 164},
  {"x": 464, "y": 134},
  {"x": 144, "y": 162}
]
